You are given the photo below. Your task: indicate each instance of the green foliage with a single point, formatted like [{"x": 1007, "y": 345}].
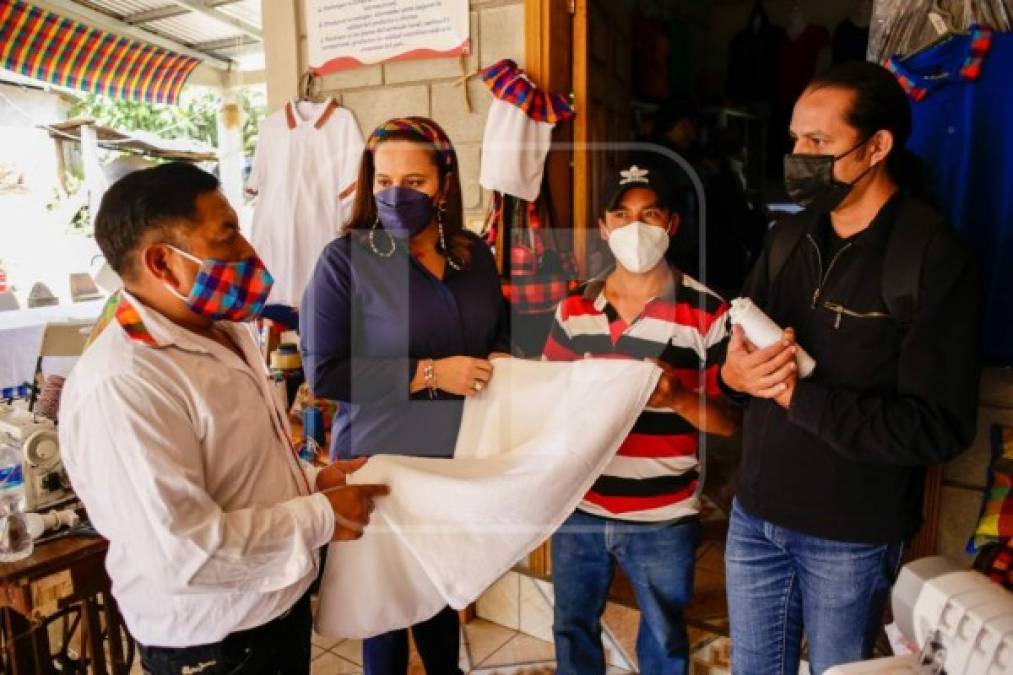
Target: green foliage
[{"x": 195, "y": 117}]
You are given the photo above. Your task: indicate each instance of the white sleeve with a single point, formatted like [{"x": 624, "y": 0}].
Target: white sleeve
[
  {"x": 255, "y": 181},
  {"x": 136, "y": 462}
]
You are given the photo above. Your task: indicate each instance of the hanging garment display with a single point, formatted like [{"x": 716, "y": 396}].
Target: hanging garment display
[
  {"x": 752, "y": 58},
  {"x": 518, "y": 131},
  {"x": 537, "y": 271},
  {"x": 651, "y": 58},
  {"x": 962, "y": 107},
  {"x": 303, "y": 174},
  {"x": 797, "y": 62},
  {"x": 529, "y": 448},
  {"x": 851, "y": 42}
]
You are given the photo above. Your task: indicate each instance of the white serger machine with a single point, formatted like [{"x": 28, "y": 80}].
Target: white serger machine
[
  {"x": 960, "y": 620},
  {"x": 34, "y": 438}
]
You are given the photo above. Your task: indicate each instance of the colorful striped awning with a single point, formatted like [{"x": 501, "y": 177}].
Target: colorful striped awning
[{"x": 46, "y": 46}]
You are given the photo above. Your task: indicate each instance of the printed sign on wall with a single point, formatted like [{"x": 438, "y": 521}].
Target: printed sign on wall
[{"x": 346, "y": 34}]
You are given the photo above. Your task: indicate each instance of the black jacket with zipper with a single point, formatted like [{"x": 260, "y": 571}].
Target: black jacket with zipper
[{"x": 847, "y": 460}]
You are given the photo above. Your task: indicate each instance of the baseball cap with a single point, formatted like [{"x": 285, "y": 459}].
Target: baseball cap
[{"x": 639, "y": 177}]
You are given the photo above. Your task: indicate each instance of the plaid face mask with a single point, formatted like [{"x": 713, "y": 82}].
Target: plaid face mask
[{"x": 233, "y": 291}]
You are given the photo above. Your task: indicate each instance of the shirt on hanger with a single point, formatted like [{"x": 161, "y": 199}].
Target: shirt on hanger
[
  {"x": 962, "y": 128},
  {"x": 752, "y": 60},
  {"x": 797, "y": 62},
  {"x": 851, "y": 42},
  {"x": 303, "y": 174},
  {"x": 518, "y": 131}
]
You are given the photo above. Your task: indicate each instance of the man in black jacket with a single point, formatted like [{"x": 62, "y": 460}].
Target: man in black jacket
[{"x": 831, "y": 481}]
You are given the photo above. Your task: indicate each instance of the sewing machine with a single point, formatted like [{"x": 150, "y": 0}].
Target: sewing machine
[
  {"x": 35, "y": 439},
  {"x": 960, "y": 620}
]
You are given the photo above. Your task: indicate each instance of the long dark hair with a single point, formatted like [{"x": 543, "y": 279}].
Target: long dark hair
[
  {"x": 879, "y": 104},
  {"x": 428, "y": 133}
]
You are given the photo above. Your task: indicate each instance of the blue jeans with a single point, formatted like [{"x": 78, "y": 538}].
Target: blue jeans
[
  {"x": 781, "y": 583},
  {"x": 658, "y": 559}
]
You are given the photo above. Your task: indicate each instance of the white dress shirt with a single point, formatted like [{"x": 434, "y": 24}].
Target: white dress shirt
[
  {"x": 180, "y": 451},
  {"x": 303, "y": 173}
]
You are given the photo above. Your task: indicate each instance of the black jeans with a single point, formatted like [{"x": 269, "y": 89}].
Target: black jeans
[
  {"x": 279, "y": 647},
  {"x": 438, "y": 641}
]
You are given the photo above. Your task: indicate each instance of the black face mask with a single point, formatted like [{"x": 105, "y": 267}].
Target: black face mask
[{"x": 809, "y": 179}]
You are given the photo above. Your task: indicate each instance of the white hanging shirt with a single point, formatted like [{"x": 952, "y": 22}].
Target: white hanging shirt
[
  {"x": 530, "y": 446},
  {"x": 180, "y": 451},
  {"x": 518, "y": 131},
  {"x": 303, "y": 174}
]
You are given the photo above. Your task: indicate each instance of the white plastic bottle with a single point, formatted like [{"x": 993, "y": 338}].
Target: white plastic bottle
[{"x": 15, "y": 541}]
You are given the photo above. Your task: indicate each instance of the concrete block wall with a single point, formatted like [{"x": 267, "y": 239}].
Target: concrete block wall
[
  {"x": 964, "y": 478},
  {"x": 431, "y": 88}
]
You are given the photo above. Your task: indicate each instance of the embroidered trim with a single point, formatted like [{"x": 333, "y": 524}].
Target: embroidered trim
[
  {"x": 634, "y": 174},
  {"x": 126, "y": 315},
  {"x": 130, "y": 321},
  {"x": 332, "y": 105},
  {"x": 509, "y": 83},
  {"x": 981, "y": 43}
]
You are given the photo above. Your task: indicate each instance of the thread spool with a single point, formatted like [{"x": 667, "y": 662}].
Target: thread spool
[
  {"x": 761, "y": 330},
  {"x": 48, "y": 404},
  {"x": 286, "y": 357},
  {"x": 285, "y": 360},
  {"x": 313, "y": 424}
]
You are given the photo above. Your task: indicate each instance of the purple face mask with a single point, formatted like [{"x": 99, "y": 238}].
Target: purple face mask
[{"x": 403, "y": 212}]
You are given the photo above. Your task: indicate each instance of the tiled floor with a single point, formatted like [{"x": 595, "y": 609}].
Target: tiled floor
[
  {"x": 490, "y": 649},
  {"x": 485, "y": 648}
]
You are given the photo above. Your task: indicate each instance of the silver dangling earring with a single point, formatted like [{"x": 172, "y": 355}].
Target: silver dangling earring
[
  {"x": 372, "y": 242},
  {"x": 440, "y": 210}
]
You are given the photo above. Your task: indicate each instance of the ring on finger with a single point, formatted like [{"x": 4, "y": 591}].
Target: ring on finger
[{"x": 479, "y": 385}]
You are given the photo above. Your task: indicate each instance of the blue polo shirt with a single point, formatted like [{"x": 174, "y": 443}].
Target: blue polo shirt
[
  {"x": 962, "y": 106},
  {"x": 364, "y": 323}
]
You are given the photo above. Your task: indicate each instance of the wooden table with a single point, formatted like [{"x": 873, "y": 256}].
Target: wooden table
[{"x": 62, "y": 578}]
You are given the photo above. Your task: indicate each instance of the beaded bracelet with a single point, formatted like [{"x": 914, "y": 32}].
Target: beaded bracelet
[{"x": 429, "y": 373}]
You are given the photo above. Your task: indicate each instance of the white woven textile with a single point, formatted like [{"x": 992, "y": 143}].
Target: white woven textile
[{"x": 530, "y": 446}]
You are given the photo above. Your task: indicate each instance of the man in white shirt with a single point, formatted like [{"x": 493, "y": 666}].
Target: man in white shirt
[{"x": 175, "y": 442}]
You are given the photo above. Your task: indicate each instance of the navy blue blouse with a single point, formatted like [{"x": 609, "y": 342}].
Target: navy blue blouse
[{"x": 366, "y": 321}]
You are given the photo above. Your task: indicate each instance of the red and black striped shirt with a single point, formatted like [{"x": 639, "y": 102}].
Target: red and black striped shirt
[{"x": 655, "y": 475}]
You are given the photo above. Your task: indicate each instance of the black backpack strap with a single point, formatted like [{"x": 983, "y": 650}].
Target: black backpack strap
[
  {"x": 784, "y": 239},
  {"x": 906, "y": 249}
]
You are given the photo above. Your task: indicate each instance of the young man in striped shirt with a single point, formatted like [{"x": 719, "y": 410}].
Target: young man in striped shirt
[{"x": 643, "y": 512}]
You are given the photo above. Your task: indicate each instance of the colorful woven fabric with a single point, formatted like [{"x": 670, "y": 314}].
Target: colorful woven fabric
[
  {"x": 234, "y": 291},
  {"x": 996, "y": 520},
  {"x": 118, "y": 308},
  {"x": 907, "y": 84},
  {"x": 535, "y": 295},
  {"x": 509, "y": 83},
  {"x": 104, "y": 319},
  {"x": 995, "y": 561},
  {"x": 426, "y": 128},
  {"x": 918, "y": 88},
  {"x": 981, "y": 40},
  {"x": 46, "y": 46}
]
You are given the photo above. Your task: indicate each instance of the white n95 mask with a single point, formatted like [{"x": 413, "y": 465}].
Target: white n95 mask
[{"x": 638, "y": 246}]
